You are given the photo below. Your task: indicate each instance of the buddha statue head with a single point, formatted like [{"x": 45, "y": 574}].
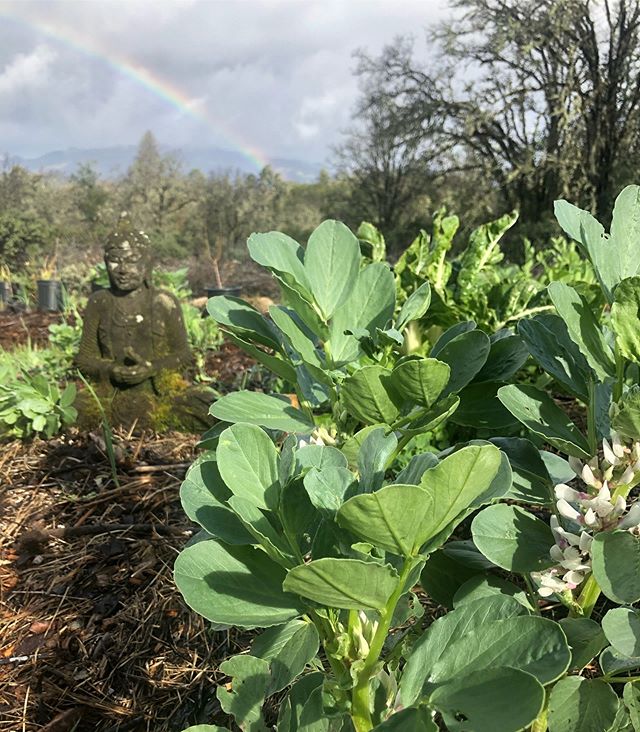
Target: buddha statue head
[{"x": 127, "y": 257}]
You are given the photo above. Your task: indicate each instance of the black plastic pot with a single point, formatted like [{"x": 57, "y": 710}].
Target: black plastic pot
[
  {"x": 5, "y": 294},
  {"x": 230, "y": 291},
  {"x": 49, "y": 295}
]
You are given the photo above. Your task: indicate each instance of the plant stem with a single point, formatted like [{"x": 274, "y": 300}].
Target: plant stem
[
  {"x": 619, "y": 382},
  {"x": 621, "y": 679},
  {"x": 592, "y": 434},
  {"x": 531, "y": 593},
  {"x": 587, "y": 598},
  {"x": 361, "y": 696},
  {"x": 402, "y": 443}
]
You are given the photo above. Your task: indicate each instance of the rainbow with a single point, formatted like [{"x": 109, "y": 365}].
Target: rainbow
[{"x": 147, "y": 79}]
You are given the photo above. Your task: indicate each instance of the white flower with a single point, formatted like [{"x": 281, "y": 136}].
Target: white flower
[
  {"x": 562, "y": 490},
  {"x": 549, "y": 584},
  {"x": 616, "y": 445},
  {"x": 573, "y": 579},
  {"x": 627, "y": 476},
  {"x": 609, "y": 454},
  {"x": 590, "y": 519},
  {"x": 632, "y": 519},
  {"x": 589, "y": 478},
  {"x": 601, "y": 504},
  {"x": 567, "y": 510},
  {"x": 585, "y": 542}
]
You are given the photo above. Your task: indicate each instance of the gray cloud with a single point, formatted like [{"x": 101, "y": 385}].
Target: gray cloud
[{"x": 271, "y": 75}]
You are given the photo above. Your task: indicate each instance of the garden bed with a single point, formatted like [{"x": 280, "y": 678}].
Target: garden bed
[{"x": 93, "y": 634}]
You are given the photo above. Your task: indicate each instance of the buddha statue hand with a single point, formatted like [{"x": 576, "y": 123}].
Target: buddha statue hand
[{"x": 135, "y": 371}]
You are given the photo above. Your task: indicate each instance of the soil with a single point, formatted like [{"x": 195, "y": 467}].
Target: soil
[
  {"x": 24, "y": 327},
  {"x": 93, "y": 634}
]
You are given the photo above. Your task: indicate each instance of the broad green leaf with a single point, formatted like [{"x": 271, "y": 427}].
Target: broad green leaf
[
  {"x": 370, "y": 305},
  {"x": 412, "y": 474},
  {"x": 442, "y": 576},
  {"x": 613, "y": 663},
  {"x": 540, "y": 414},
  {"x": 615, "y": 559},
  {"x": 350, "y": 584},
  {"x": 68, "y": 395},
  {"x": 279, "y": 367},
  {"x": 283, "y": 256},
  {"x": 506, "y": 357},
  {"x": 329, "y": 488},
  {"x": 466, "y": 354},
  {"x": 631, "y": 696},
  {"x": 261, "y": 409},
  {"x": 624, "y": 318},
  {"x": 480, "y": 408},
  {"x": 207, "y": 728},
  {"x": 622, "y": 628},
  {"x": 585, "y": 638},
  {"x": 531, "y": 481},
  {"x": 234, "y": 585},
  {"x": 402, "y": 518},
  {"x": 489, "y": 585},
  {"x": 453, "y": 332},
  {"x": 302, "y": 303},
  {"x": 375, "y": 452},
  {"x": 204, "y": 495},
  {"x": 583, "y": 328},
  {"x": 300, "y": 341},
  {"x": 420, "y": 381},
  {"x": 250, "y": 680},
  {"x": 372, "y": 242},
  {"x": 298, "y": 696},
  {"x": 467, "y": 553},
  {"x": 414, "y": 719},
  {"x": 318, "y": 456},
  {"x": 313, "y": 717},
  {"x": 248, "y": 463},
  {"x": 529, "y": 643},
  {"x": 435, "y": 642},
  {"x": 483, "y": 701},
  {"x": 627, "y": 420},
  {"x": 243, "y": 320},
  {"x": 415, "y": 306},
  {"x": 513, "y": 538},
  {"x": 288, "y": 649},
  {"x": 353, "y": 445},
  {"x": 582, "y": 705},
  {"x": 259, "y": 526},
  {"x": 365, "y": 396},
  {"x": 550, "y": 345},
  {"x": 439, "y": 413},
  {"x": 331, "y": 263}
]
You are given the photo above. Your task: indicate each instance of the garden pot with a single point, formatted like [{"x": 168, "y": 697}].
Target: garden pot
[
  {"x": 5, "y": 294},
  {"x": 49, "y": 295},
  {"x": 229, "y": 291}
]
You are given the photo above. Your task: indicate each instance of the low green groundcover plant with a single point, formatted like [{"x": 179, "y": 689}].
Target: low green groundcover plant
[{"x": 310, "y": 534}]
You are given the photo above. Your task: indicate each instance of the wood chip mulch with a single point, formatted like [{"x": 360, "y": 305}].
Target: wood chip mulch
[{"x": 93, "y": 633}]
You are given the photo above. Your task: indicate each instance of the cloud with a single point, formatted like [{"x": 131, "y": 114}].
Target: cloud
[{"x": 271, "y": 75}]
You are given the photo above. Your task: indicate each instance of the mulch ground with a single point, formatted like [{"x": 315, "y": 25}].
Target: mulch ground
[
  {"x": 24, "y": 327},
  {"x": 93, "y": 634}
]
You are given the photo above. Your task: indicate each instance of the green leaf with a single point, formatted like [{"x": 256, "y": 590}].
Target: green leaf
[
  {"x": 320, "y": 457},
  {"x": 375, "y": 452},
  {"x": 466, "y": 354},
  {"x": 613, "y": 663},
  {"x": 248, "y": 463},
  {"x": 631, "y": 696},
  {"x": 585, "y": 638},
  {"x": 261, "y": 409},
  {"x": 420, "y": 381},
  {"x": 234, "y": 585},
  {"x": 529, "y": 643},
  {"x": 513, "y": 538},
  {"x": 453, "y": 332},
  {"x": 370, "y": 305},
  {"x": 402, "y": 518},
  {"x": 582, "y": 705},
  {"x": 622, "y": 628},
  {"x": 283, "y": 256},
  {"x": 550, "y": 345},
  {"x": 204, "y": 499},
  {"x": 442, "y": 576},
  {"x": 288, "y": 649},
  {"x": 415, "y": 306},
  {"x": 627, "y": 420},
  {"x": 414, "y": 719},
  {"x": 352, "y": 445},
  {"x": 250, "y": 679},
  {"x": 583, "y": 328},
  {"x": 531, "y": 481},
  {"x": 439, "y": 413},
  {"x": 489, "y": 585},
  {"x": 436, "y": 641},
  {"x": 350, "y": 584},
  {"x": 291, "y": 708},
  {"x": 68, "y": 395},
  {"x": 301, "y": 342},
  {"x": 412, "y": 474},
  {"x": 624, "y": 318},
  {"x": 242, "y": 319},
  {"x": 281, "y": 368},
  {"x": 539, "y": 413},
  {"x": 506, "y": 357},
  {"x": 206, "y": 728},
  {"x": 480, "y": 408},
  {"x": 263, "y": 532},
  {"x": 483, "y": 701},
  {"x": 365, "y": 397},
  {"x": 331, "y": 263},
  {"x": 329, "y": 488},
  {"x": 616, "y": 562}
]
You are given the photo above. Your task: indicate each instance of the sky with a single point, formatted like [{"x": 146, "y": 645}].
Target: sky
[{"x": 267, "y": 78}]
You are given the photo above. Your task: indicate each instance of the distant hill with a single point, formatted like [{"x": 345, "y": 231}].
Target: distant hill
[{"x": 112, "y": 162}]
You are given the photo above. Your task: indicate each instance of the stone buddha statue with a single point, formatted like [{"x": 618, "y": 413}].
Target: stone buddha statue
[{"x": 134, "y": 343}]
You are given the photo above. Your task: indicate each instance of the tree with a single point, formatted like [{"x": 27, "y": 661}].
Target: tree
[{"x": 540, "y": 98}]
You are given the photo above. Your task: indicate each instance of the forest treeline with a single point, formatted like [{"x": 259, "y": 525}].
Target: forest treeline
[{"x": 518, "y": 103}]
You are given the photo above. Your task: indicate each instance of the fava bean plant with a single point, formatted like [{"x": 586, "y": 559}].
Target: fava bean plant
[{"x": 311, "y": 535}]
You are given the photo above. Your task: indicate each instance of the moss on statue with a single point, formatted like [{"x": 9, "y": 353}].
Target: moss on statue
[{"x": 134, "y": 347}]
